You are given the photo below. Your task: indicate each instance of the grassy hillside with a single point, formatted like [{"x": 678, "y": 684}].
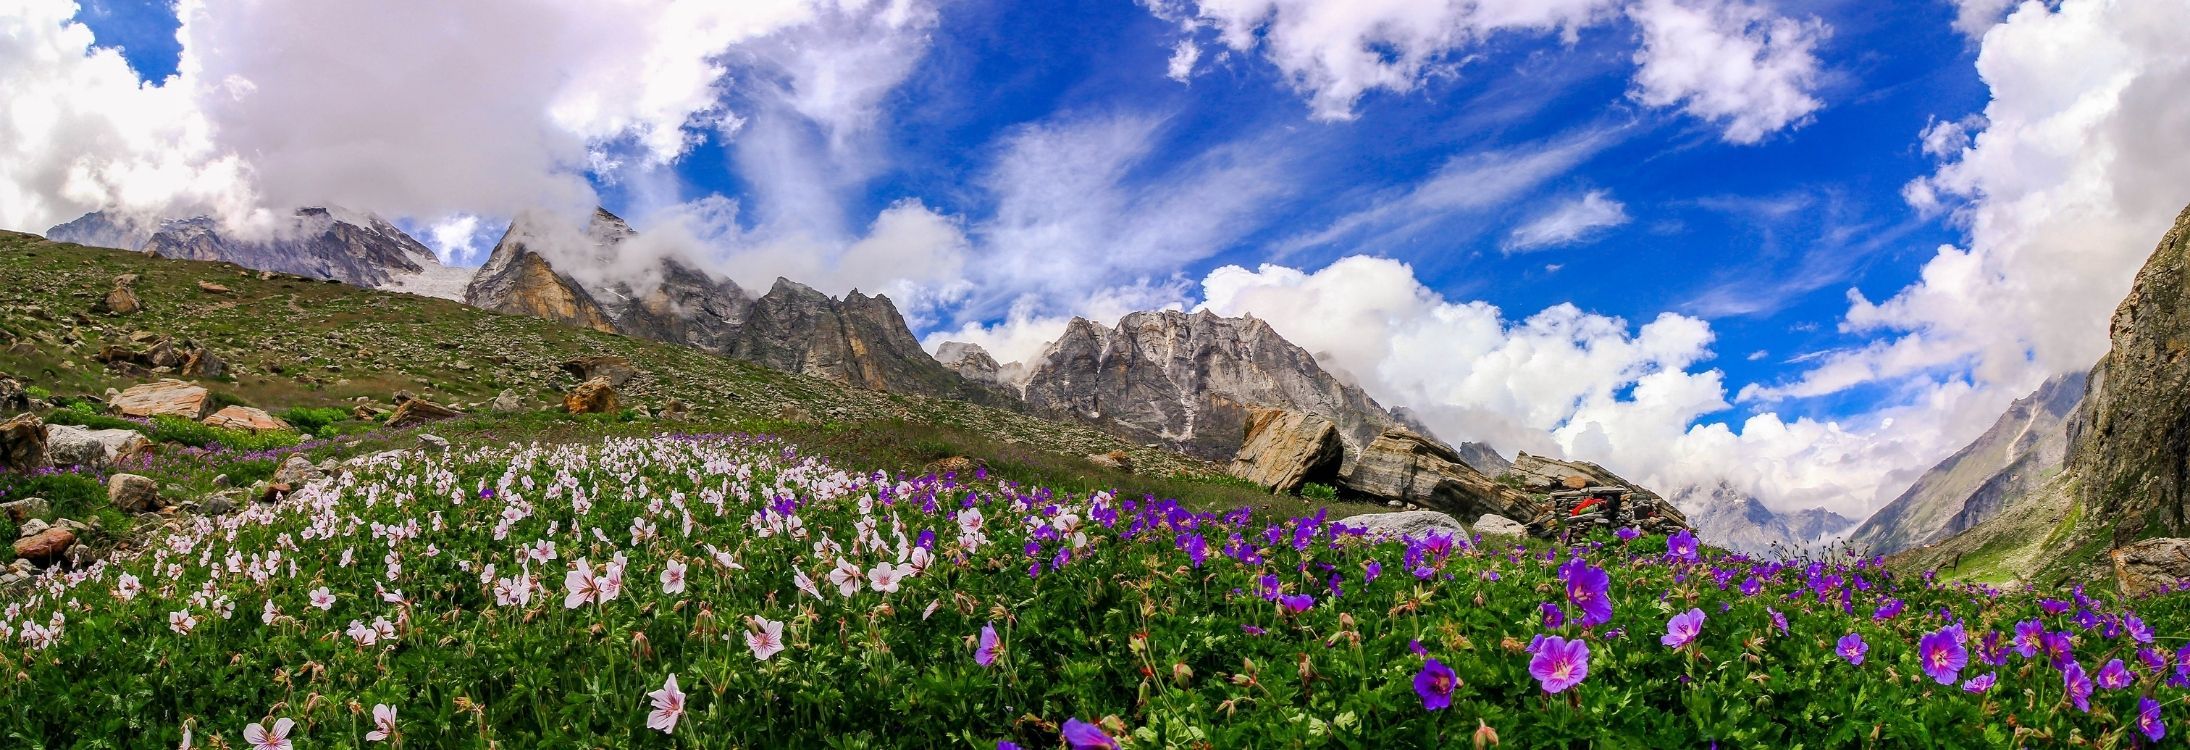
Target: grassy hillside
[{"x": 291, "y": 342}]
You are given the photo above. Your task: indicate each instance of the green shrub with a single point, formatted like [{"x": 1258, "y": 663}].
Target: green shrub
[
  {"x": 314, "y": 419},
  {"x": 69, "y": 494},
  {"x": 37, "y": 394},
  {"x": 222, "y": 399},
  {"x": 169, "y": 429},
  {"x": 91, "y": 421},
  {"x": 1318, "y": 491}
]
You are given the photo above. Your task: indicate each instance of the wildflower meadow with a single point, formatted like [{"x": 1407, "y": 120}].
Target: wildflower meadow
[{"x": 730, "y": 591}]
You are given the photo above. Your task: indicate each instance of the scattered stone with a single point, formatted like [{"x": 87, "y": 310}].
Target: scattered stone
[
  {"x": 13, "y": 396},
  {"x": 402, "y": 396},
  {"x": 121, "y": 301},
  {"x": 221, "y": 481},
  {"x": 246, "y": 418},
  {"x": 1285, "y": 448},
  {"x": 1416, "y": 523},
  {"x": 220, "y": 505},
  {"x": 795, "y": 414},
  {"x": 170, "y": 397},
  {"x": 203, "y": 364},
  {"x": 2152, "y": 566},
  {"x": 595, "y": 396},
  {"x": 25, "y": 509},
  {"x": 297, "y": 472},
  {"x": 508, "y": 401},
  {"x": 959, "y": 465},
  {"x": 133, "y": 494},
  {"x": 1492, "y": 524},
  {"x": 616, "y": 369},
  {"x": 31, "y": 528},
  {"x": 433, "y": 443},
  {"x": 1575, "y": 482},
  {"x": 22, "y": 443},
  {"x": 77, "y": 527},
  {"x": 417, "y": 411},
  {"x": 676, "y": 410},
  {"x": 47, "y": 545},
  {"x": 1119, "y": 460},
  {"x": 212, "y": 288}
]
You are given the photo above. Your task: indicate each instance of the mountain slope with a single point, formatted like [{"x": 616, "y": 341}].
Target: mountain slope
[
  {"x": 1727, "y": 517},
  {"x": 2014, "y": 457},
  {"x": 354, "y": 248}
]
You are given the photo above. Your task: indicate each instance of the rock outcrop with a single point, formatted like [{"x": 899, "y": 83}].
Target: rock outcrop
[
  {"x": 859, "y": 340},
  {"x": 133, "y": 494},
  {"x": 172, "y": 398},
  {"x": 616, "y": 370},
  {"x": 2014, "y": 457},
  {"x": 417, "y": 411},
  {"x": 67, "y": 445},
  {"x": 22, "y": 443},
  {"x": 2131, "y": 435},
  {"x": 1404, "y": 466},
  {"x": 2152, "y": 566},
  {"x": 518, "y": 280},
  {"x": 360, "y": 249},
  {"x": 1407, "y": 523},
  {"x": 1285, "y": 449},
  {"x": 245, "y": 418},
  {"x": 596, "y": 396}
]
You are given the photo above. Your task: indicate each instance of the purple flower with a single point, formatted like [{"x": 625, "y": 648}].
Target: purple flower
[
  {"x": 1942, "y": 655},
  {"x": 1007, "y": 745},
  {"x": 2079, "y": 686},
  {"x": 1681, "y": 546},
  {"x": 1627, "y": 533},
  {"x": 1084, "y": 736},
  {"x": 1296, "y": 603},
  {"x": 1588, "y": 588},
  {"x": 1751, "y": 586},
  {"x": 1683, "y": 628},
  {"x": 1558, "y": 663},
  {"x": 1371, "y": 571},
  {"x": 1251, "y": 630},
  {"x": 2116, "y": 675},
  {"x": 1852, "y": 648},
  {"x": 1887, "y": 611},
  {"x": 2148, "y": 719},
  {"x": 2138, "y": 631},
  {"x": 2152, "y": 659},
  {"x": 2057, "y": 648},
  {"x": 1979, "y": 684},
  {"x": 985, "y": 654},
  {"x": 1435, "y": 683},
  {"x": 1553, "y": 616},
  {"x": 1779, "y": 619}
]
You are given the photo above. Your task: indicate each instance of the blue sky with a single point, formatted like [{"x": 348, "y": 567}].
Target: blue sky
[{"x": 999, "y": 166}]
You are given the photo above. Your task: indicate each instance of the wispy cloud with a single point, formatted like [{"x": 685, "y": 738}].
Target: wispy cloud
[{"x": 1569, "y": 222}]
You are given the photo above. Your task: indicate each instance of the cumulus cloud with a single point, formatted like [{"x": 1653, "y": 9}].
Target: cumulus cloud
[
  {"x": 1564, "y": 381},
  {"x": 1975, "y": 17},
  {"x": 269, "y": 110},
  {"x": 2064, "y": 184},
  {"x": 1730, "y": 62},
  {"x": 1568, "y": 222},
  {"x": 1334, "y": 51},
  {"x": 1183, "y": 57}
]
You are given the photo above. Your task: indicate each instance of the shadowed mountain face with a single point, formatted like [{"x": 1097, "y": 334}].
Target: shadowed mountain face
[
  {"x": 2016, "y": 456},
  {"x": 354, "y": 248}
]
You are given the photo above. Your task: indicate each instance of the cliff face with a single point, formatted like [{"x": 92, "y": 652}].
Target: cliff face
[
  {"x": 1190, "y": 380},
  {"x": 2013, "y": 458},
  {"x": 2131, "y": 437},
  {"x": 860, "y": 340},
  {"x": 359, "y": 249}
]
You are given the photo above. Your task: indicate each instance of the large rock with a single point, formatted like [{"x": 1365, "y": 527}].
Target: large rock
[
  {"x": 418, "y": 411},
  {"x": 45, "y": 545},
  {"x": 2152, "y": 566},
  {"x": 202, "y": 363},
  {"x": 1285, "y": 449},
  {"x": 13, "y": 396},
  {"x": 173, "y": 398},
  {"x": 1494, "y": 525},
  {"x": 246, "y": 418},
  {"x": 1414, "y": 523},
  {"x": 133, "y": 494},
  {"x": 68, "y": 445},
  {"x": 594, "y": 396},
  {"x": 120, "y": 301},
  {"x": 22, "y": 443},
  {"x": 1403, "y": 466},
  {"x": 616, "y": 370},
  {"x": 19, "y": 511},
  {"x": 508, "y": 401}
]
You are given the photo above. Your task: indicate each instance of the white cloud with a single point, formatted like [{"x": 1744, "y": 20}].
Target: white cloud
[
  {"x": 492, "y": 107},
  {"x": 455, "y": 239},
  {"x": 1975, "y": 17},
  {"x": 1183, "y": 57},
  {"x": 1730, "y": 62},
  {"x": 1334, "y": 51},
  {"x": 1569, "y": 222},
  {"x": 2065, "y": 183},
  {"x": 1564, "y": 381}
]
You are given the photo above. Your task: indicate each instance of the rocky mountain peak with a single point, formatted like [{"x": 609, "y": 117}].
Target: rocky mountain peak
[
  {"x": 2130, "y": 439},
  {"x": 357, "y": 248}
]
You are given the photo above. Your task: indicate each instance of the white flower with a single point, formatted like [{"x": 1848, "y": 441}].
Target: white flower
[
  {"x": 260, "y": 739},
  {"x": 673, "y": 578},
  {"x": 846, "y": 576},
  {"x": 181, "y": 621},
  {"x": 885, "y": 576},
  {"x": 583, "y": 585},
  {"x": 323, "y": 599},
  {"x": 383, "y": 723},
  {"x": 128, "y": 587},
  {"x": 668, "y": 705},
  {"x": 766, "y": 639}
]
